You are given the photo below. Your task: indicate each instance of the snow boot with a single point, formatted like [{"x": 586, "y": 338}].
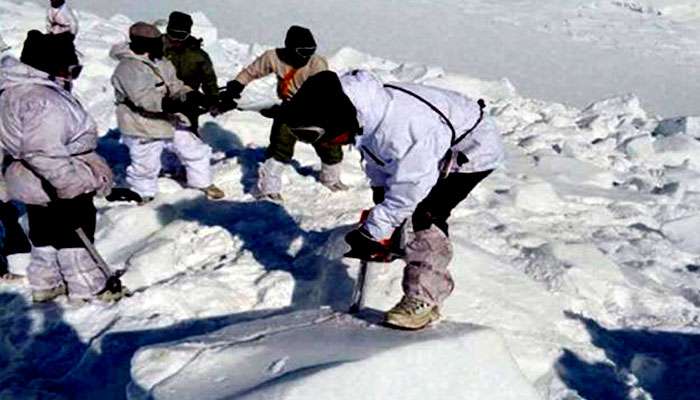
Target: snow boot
[
  {"x": 82, "y": 275},
  {"x": 46, "y": 295},
  {"x": 273, "y": 197},
  {"x": 330, "y": 178},
  {"x": 269, "y": 183},
  {"x": 213, "y": 192},
  {"x": 412, "y": 314},
  {"x": 336, "y": 186}
]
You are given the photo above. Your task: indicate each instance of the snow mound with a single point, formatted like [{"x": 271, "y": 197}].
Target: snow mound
[{"x": 323, "y": 355}]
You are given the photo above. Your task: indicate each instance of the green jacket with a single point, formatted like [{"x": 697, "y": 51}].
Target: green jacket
[{"x": 193, "y": 66}]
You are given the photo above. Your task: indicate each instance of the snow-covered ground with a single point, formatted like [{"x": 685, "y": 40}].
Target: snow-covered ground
[
  {"x": 566, "y": 51},
  {"x": 577, "y": 265}
]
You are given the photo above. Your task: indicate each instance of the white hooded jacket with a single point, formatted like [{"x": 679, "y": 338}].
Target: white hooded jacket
[
  {"x": 61, "y": 20},
  {"x": 404, "y": 143},
  {"x": 145, "y": 83},
  {"x": 44, "y": 125}
]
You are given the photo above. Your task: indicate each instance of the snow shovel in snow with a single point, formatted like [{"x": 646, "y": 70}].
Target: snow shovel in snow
[{"x": 113, "y": 284}]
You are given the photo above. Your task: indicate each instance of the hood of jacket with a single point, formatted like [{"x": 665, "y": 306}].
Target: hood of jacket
[
  {"x": 122, "y": 51},
  {"x": 13, "y": 73},
  {"x": 369, "y": 97}
]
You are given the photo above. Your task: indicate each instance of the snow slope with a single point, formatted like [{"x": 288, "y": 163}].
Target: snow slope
[
  {"x": 312, "y": 354},
  {"x": 581, "y": 254},
  {"x": 568, "y": 51}
]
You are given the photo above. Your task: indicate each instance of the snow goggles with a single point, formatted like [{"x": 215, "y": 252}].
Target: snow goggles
[
  {"x": 305, "y": 52},
  {"x": 177, "y": 35},
  {"x": 308, "y": 134}
]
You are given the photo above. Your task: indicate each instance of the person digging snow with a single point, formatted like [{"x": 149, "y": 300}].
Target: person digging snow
[
  {"x": 61, "y": 20},
  {"x": 151, "y": 101},
  {"x": 53, "y": 167},
  {"x": 293, "y": 65},
  {"x": 424, "y": 150}
]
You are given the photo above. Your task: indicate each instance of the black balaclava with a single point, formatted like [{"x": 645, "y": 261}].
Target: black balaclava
[
  {"x": 53, "y": 54},
  {"x": 179, "y": 25},
  {"x": 321, "y": 102},
  {"x": 57, "y": 3},
  {"x": 299, "y": 46}
]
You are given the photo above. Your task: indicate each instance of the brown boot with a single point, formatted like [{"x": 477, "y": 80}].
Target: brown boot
[
  {"x": 43, "y": 296},
  {"x": 411, "y": 313},
  {"x": 213, "y": 192}
]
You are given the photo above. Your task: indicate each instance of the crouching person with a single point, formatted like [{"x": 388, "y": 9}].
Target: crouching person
[
  {"x": 53, "y": 167},
  {"x": 425, "y": 149},
  {"x": 151, "y": 101}
]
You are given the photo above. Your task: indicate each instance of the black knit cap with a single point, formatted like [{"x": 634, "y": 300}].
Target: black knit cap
[
  {"x": 321, "y": 102},
  {"x": 52, "y": 54},
  {"x": 298, "y": 36},
  {"x": 179, "y": 22}
]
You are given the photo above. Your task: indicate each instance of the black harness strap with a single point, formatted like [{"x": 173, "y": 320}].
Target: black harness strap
[
  {"x": 455, "y": 140},
  {"x": 48, "y": 188},
  {"x": 147, "y": 113},
  {"x": 429, "y": 104},
  {"x": 482, "y": 106}
]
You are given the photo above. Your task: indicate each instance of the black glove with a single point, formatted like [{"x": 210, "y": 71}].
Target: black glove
[
  {"x": 196, "y": 103},
  {"x": 223, "y": 105},
  {"x": 271, "y": 112},
  {"x": 365, "y": 247},
  {"x": 171, "y": 105},
  {"x": 196, "y": 98},
  {"x": 234, "y": 89}
]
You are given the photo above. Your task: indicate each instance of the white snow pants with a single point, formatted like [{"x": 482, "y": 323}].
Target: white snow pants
[
  {"x": 142, "y": 173},
  {"x": 49, "y": 268}
]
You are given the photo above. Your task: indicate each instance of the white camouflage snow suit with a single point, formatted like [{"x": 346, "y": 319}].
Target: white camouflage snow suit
[
  {"x": 49, "y": 136},
  {"x": 404, "y": 143},
  {"x": 61, "y": 20},
  {"x": 146, "y": 83}
]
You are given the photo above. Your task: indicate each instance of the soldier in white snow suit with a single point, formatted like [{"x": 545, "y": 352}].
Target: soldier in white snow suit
[
  {"x": 51, "y": 166},
  {"x": 293, "y": 65},
  {"x": 424, "y": 150},
  {"x": 60, "y": 19},
  {"x": 151, "y": 103}
]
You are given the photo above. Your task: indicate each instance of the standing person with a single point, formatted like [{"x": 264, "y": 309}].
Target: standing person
[
  {"x": 60, "y": 19},
  {"x": 54, "y": 168},
  {"x": 192, "y": 64},
  {"x": 293, "y": 65},
  {"x": 150, "y": 97},
  {"x": 425, "y": 149}
]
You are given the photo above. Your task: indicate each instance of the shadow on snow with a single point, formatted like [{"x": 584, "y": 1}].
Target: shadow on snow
[
  {"x": 42, "y": 356},
  {"x": 664, "y": 364}
]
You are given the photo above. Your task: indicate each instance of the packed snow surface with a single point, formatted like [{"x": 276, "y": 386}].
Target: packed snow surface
[
  {"x": 296, "y": 355},
  {"x": 577, "y": 264}
]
